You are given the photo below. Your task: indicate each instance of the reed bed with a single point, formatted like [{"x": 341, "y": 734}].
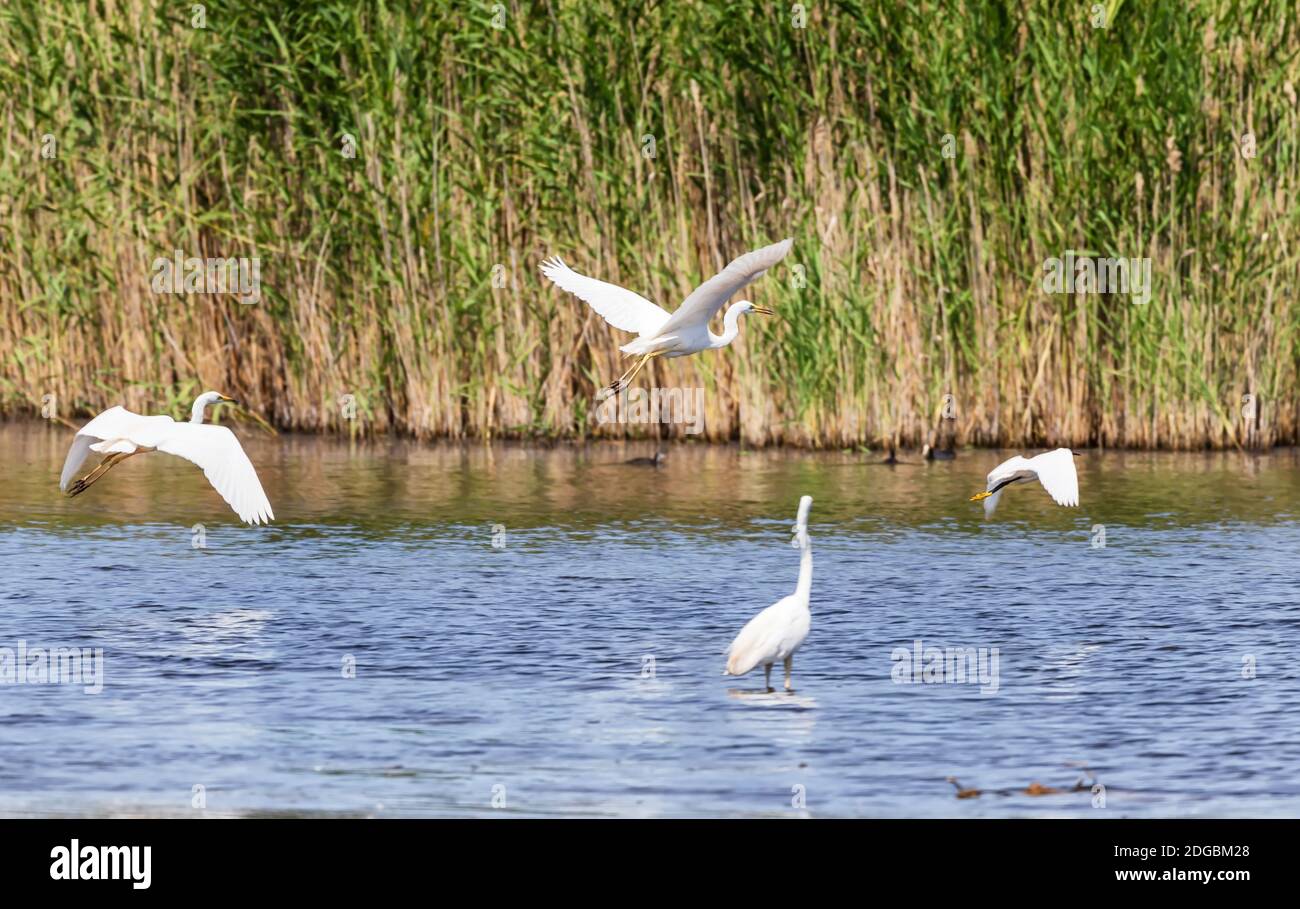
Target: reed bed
[{"x": 928, "y": 158}]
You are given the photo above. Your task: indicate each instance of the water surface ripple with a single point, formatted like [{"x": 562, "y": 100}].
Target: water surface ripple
[{"x": 576, "y": 670}]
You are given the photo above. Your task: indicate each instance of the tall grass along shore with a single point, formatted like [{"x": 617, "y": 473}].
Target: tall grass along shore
[{"x": 387, "y": 176}]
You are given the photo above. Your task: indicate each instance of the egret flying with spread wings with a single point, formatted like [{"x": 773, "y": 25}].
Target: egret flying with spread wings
[
  {"x": 779, "y": 630},
  {"x": 118, "y": 434},
  {"x": 1054, "y": 469},
  {"x": 677, "y": 334}
]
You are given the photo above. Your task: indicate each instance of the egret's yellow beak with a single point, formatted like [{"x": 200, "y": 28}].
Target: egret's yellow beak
[
  {"x": 226, "y": 400},
  {"x": 980, "y": 495},
  {"x": 766, "y": 312}
]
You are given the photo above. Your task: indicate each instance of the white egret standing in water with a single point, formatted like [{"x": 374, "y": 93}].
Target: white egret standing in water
[
  {"x": 1054, "y": 469},
  {"x": 119, "y": 434},
  {"x": 687, "y": 330},
  {"x": 779, "y": 630}
]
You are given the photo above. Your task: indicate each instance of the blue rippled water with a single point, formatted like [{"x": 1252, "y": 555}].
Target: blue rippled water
[{"x": 373, "y": 653}]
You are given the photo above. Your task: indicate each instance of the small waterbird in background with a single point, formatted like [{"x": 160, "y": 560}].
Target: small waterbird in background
[
  {"x": 671, "y": 335},
  {"x": 656, "y": 461},
  {"x": 780, "y": 629}
]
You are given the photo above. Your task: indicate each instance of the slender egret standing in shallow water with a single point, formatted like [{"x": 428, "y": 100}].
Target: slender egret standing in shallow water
[
  {"x": 1054, "y": 469},
  {"x": 119, "y": 434},
  {"x": 682, "y": 333},
  {"x": 779, "y": 630}
]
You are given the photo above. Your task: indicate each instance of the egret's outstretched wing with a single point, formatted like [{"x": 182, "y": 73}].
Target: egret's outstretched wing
[
  {"x": 1003, "y": 471},
  {"x": 76, "y": 457},
  {"x": 218, "y": 452},
  {"x": 111, "y": 424},
  {"x": 620, "y": 307},
  {"x": 1056, "y": 472},
  {"x": 705, "y": 301}
]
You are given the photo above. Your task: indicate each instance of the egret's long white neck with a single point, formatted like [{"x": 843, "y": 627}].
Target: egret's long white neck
[
  {"x": 805, "y": 572},
  {"x": 200, "y": 405},
  {"x": 805, "y": 545},
  {"x": 730, "y": 327}
]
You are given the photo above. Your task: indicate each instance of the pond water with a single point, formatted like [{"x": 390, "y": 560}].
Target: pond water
[{"x": 440, "y": 630}]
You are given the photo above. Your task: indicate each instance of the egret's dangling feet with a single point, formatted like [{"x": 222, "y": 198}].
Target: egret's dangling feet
[
  {"x": 625, "y": 380},
  {"x": 102, "y": 468},
  {"x": 614, "y": 387}
]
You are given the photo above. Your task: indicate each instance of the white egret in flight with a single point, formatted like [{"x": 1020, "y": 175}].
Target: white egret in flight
[
  {"x": 1054, "y": 469},
  {"x": 671, "y": 335},
  {"x": 118, "y": 434},
  {"x": 779, "y": 630}
]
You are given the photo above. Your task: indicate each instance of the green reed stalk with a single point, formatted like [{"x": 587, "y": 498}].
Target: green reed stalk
[{"x": 928, "y": 158}]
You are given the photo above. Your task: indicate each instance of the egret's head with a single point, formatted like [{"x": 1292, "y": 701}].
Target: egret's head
[
  {"x": 202, "y": 402},
  {"x": 800, "y": 528},
  {"x": 996, "y": 482},
  {"x": 745, "y": 306},
  {"x": 215, "y": 397}
]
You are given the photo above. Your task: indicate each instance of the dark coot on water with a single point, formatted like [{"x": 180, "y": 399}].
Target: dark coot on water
[{"x": 656, "y": 461}]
